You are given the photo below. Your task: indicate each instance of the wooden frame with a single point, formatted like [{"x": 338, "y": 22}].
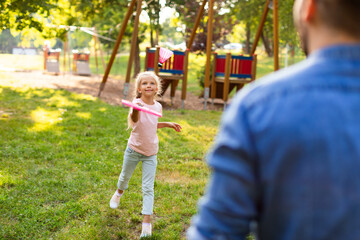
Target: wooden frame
[
  {"x": 230, "y": 71},
  {"x": 81, "y": 65},
  {"x": 51, "y": 61}
]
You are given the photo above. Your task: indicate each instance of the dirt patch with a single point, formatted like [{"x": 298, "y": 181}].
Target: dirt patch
[{"x": 112, "y": 93}]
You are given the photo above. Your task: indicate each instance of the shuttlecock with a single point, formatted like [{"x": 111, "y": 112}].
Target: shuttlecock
[{"x": 164, "y": 55}]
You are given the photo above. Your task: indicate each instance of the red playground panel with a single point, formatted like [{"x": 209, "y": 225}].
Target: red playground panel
[
  {"x": 172, "y": 71},
  {"x": 230, "y": 71}
]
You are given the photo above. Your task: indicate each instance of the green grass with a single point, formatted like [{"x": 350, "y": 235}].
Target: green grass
[
  {"x": 60, "y": 157},
  {"x": 265, "y": 65},
  {"x": 118, "y": 68}
]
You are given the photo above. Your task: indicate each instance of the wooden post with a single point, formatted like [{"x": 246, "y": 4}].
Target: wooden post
[
  {"x": 116, "y": 47},
  {"x": 184, "y": 81},
  {"x": 261, "y": 26},
  {"x": 64, "y": 56},
  {"x": 213, "y": 80},
  {"x": 227, "y": 78},
  {"x": 45, "y": 57},
  {"x": 101, "y": 53},
  {"x": 95, "y": 53},
  {"x": 146, "y": 58},
  {"x": 156, "y": 60},
  {"x": 276, "y": 34},
  {"x": 253, "y": 67},
  {"x": 133, "y": 48},
  {"x": 196, "y": 25},
  {"x": 208, "y": 52},
  {"x": 99, "y": 48}
]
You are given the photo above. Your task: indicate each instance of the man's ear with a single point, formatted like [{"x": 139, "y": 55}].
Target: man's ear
[{"x": 309, "y": 10}]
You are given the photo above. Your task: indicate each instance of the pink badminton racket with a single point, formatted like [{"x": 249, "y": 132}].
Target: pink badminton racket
[
  {"x": 143, "y": 109},
  {"x": 164, "y": 54}
]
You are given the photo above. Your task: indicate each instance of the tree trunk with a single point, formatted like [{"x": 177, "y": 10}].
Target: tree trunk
[
  {"x": 151, "y": 34},
  {"x": 137, "y": 58},
  {"x": 266, "y": 43},
  {"x": 157, "y": 37},
  {"x": 157, "y": 24},
  {"x": 247, "y": 43}
]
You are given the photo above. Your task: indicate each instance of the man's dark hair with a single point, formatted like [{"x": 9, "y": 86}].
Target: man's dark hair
[{"x": 342, "y": 15}]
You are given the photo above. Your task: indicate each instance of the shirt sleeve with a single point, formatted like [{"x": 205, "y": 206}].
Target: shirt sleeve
[
  {"x": 160, "y": 107},
  {"x": 230, "y": 203}
]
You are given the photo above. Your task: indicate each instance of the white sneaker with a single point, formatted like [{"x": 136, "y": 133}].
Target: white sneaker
[
  {"x": 146, "y": 230},
  {"x": 115, "y": 200}
]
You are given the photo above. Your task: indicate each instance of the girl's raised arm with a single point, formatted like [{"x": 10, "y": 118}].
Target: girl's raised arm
[{"x": 134, "y": 115}]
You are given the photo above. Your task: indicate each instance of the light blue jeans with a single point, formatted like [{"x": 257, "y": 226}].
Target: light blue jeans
[{"x": 131, "y": 159}]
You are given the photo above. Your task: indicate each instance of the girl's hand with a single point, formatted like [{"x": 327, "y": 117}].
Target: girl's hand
[
  {"x": 175, "y": 126},
  {"x": 135, "y": 111},
  {"x": 139, "y": 104}
]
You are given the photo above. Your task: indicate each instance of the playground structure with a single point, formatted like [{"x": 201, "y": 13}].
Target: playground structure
[
  {"x": 51, "y": 60},
  {"x": 81, "y": 63},
  {"x": 230, "y": 71},
  {"x": 227, "y": 86},
  {"x": 172, "y": 71},
  {"x": 269, "y": 4}
]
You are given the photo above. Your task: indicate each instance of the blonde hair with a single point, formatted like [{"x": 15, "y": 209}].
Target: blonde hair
[{"x": 137, "y": 94}]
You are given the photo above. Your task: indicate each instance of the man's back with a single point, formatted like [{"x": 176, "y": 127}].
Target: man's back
[
  {"x": 288, "y": 154},
  {"x": 306, "y": 132}
]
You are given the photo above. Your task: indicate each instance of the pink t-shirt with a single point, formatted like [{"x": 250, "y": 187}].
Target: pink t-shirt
[{"x": 143, "y": 138}]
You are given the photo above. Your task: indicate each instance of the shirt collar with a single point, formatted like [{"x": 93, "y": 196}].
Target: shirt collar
[{"x": 349, "y": 52}]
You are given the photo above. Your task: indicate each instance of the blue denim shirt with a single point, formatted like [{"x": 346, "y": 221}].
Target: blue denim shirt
[{"x": 287, "y": 156}]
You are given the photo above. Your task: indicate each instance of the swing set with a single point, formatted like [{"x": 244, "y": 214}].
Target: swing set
[
  {"x": 80, "y": 63},
  {"x": 229, "y": 71}
]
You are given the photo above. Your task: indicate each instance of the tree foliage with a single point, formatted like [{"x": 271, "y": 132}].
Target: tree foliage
[
  {"x": 222, "y": 21},
  {"x": 108, "y": 15},
  {"x": 20, "y": 14},
  {"x": 7, "y": 41},
  {"x": 152, "y": 9},
  {"x": 250, "y": 13}
]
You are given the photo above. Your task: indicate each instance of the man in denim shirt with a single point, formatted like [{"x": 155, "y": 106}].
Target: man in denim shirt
[{"x": 287, "y": 157}]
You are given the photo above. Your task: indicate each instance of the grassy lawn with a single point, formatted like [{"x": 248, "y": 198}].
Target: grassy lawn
[
  {"x": 10, "y": 61},
  {"x": 60, "y": 157}
]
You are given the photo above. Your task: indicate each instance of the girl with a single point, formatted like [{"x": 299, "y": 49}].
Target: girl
[{"x": 143, "y": 145}]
